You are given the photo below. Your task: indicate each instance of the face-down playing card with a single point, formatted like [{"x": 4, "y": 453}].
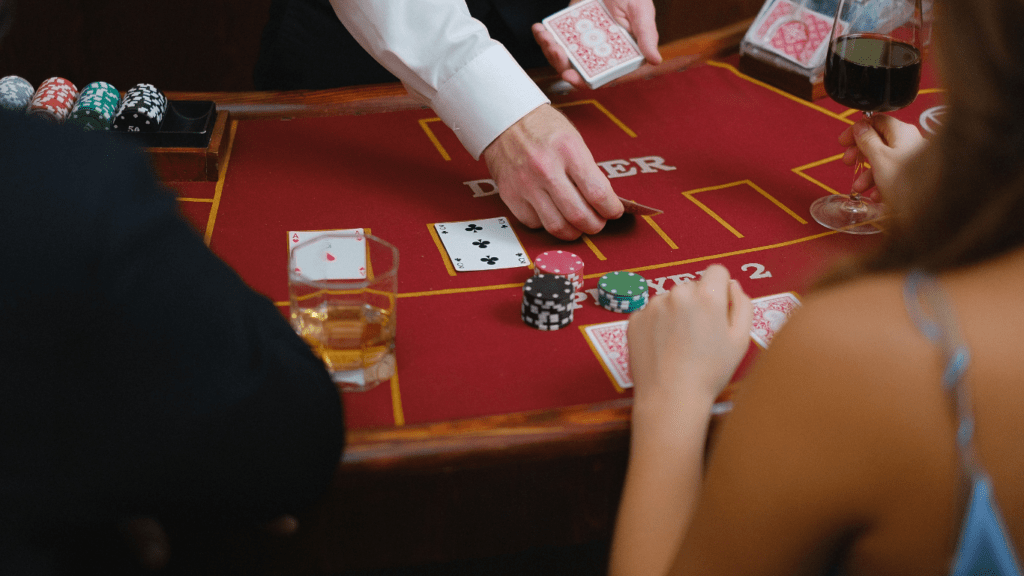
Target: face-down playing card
[
  {"x": 609, "y": 343},
  {"x": 488, "y": 244},
  {"x": 318, "y": 256},
  {"x": 793, "y": 31},
  {"x": 770, "y": 313},
  {"x": 598, "y": 48}
]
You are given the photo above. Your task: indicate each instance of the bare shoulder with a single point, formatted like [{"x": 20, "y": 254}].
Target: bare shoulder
[
  {"x": 828, "y": 415},
  {"x": 853, "y": 335},
  {"x": 862, "y": 313},
  {"x": 850, "y": 361}
]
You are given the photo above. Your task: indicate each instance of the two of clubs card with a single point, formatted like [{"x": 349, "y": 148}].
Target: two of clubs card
[
  {"x": 487, "y": 244},
  {"x": 608, "y": 340},
  {"x": 597, "y": 46}
]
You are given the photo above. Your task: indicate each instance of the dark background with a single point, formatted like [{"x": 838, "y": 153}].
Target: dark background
[{"x": 199, "y": 45}]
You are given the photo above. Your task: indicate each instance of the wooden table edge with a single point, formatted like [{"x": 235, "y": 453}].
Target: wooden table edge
[{"x": 540, "y": 434}]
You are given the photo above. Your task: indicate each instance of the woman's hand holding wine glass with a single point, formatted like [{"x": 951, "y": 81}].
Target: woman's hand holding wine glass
[
  {"x": 886, "y": 144},
  {"x": 873, "y": 65}
]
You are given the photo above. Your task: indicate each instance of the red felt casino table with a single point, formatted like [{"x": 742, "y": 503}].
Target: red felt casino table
[{"x": 734, "y": 165}]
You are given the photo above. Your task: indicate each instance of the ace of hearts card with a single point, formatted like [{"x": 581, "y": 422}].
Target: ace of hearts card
[{"x": 317, "y": 255}]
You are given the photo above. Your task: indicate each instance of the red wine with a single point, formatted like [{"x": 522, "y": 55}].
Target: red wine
[{"x": 872, "y": 73}]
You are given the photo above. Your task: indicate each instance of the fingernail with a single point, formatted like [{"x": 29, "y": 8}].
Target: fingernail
[{"x": 860, "y": 128}]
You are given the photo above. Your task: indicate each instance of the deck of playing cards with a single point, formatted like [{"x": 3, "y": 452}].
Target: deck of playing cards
[
  {"x": 787, "y": 44},
  {"x": 599, "y": 49},
  {"x": 793, "y": 31}
]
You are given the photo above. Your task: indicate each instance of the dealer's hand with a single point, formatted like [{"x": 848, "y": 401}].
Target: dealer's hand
[
  {"x": 547, "y": 177},
  {"x": 636, "y": 16}
]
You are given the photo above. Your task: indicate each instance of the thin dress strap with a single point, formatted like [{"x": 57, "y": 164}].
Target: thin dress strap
[
  {"x": 930, "y": 310},
  {"x": 984, "y": 546}
]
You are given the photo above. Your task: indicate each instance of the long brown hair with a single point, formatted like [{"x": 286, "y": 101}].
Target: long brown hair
[{"x": 964, "y": 194}]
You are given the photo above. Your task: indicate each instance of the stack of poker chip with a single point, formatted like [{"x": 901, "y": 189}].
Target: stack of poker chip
[
  {"x": 547, "y": 302},
  {"x": 96, "y": 107},
  {"x": 622, "y": 292},
  {"x": 142, "y": 109},
  {"x": 561, "y": 263},
  {"x": 15, "y": 93},
  {"x": 53, "y": 99}
]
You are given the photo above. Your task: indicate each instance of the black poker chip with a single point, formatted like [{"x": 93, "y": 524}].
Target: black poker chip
[
  {"x": 548, "y": 302},
  {"x": 142, "y": 109},
  {"x": 549, "y": 287}
]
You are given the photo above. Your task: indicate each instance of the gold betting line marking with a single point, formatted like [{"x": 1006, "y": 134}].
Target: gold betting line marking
[
  {"x": 799, "y": 170},
  {"x": 586, "y": 240},
  {"x": 396, "y": 393},
  {"x": 396, "y": 401},
  {"x": 796, "y": 99},
  {"x": 650, "y": 222},
  {"x": 710, "y": 212},
  {"x": 433, "y": 138},
  {"x": 604, "y": 110},
  {"x": 689, "y": 194},
  {"x": 725, "y": 254},
  {"x": 583, "y": 330},
  {"x": 593, "y": 248},
  {"x": 369, "y": 262},
  {"x": 440, "y": 248},
  {"x": 448, "y": 291},
  {"x": 447, "y": 157},
  {"x": 841, "y": 116},
  {"x": 220, "y": 184},
  {"x": 773, "y": 200}
]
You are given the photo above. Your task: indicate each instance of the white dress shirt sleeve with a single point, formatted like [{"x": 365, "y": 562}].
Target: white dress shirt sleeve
[{"x": 446, "y": 58}]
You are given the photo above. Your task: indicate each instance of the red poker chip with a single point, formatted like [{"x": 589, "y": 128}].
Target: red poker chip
[{"x": 559, "y": 262}]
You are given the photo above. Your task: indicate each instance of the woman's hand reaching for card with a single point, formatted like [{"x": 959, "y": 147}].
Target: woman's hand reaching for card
[{"x": 685, "y": 345}]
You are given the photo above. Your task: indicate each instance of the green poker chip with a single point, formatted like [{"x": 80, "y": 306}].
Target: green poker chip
[
  {"x": 624, "y": 306},
  {"x": 619, "y": 285},
  {"x": 95, "y": 107}
]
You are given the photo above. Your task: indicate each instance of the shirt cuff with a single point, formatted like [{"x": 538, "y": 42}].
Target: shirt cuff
[{"x": 487, "y": 96}]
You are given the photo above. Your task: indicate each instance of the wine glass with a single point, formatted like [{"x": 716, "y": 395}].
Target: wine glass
[{"x": 874, "y": 65}]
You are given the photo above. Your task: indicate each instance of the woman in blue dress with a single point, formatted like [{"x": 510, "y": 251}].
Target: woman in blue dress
[{"x": 881, "y": 432}]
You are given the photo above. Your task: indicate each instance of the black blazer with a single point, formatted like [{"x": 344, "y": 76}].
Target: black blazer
[{"x": 138, "y": 374}]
